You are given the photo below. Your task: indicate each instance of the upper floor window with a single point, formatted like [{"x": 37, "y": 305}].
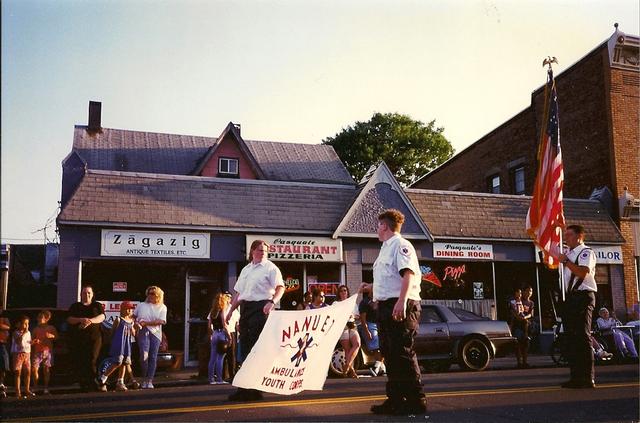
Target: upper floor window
[
  {"x": 518, "y": 181},
  {"x": 227, "y": 166},
  {"x": 494, "y": 184}
]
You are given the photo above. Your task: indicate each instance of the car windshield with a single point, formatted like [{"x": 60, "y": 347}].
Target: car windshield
[{"x": 466, "y": 315}]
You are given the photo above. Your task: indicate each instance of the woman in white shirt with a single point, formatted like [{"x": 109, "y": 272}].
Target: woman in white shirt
[{"x": 150, "y": 316}]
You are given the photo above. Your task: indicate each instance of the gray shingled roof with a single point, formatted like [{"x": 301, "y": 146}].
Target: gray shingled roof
[
  {"x": 130, "y": 198},
  {"x": 489, "y": 216},
  {"x": 149, "y": 152},
  {"x": 299, "y": 162}
]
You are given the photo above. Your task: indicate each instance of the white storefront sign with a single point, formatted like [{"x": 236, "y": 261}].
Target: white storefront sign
[
  {"x": 187, "y": 245},
  {"x": 298, "y": 248},
  {"x": 462, "y": 251},
  {"x": 610, "y": 254}
]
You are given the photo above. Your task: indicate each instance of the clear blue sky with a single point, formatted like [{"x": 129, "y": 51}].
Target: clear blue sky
[{"x": 295, "y": 71}]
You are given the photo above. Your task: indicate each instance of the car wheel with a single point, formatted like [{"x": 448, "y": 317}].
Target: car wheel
[
  {"x": 337, "y": 361},
  {"x": 474, "y": 355}
]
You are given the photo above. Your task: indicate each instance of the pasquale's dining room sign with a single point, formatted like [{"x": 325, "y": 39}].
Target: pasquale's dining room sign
[{"x": 294, "y": 248}]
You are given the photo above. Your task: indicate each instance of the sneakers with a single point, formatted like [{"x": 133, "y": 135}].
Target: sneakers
[
  {"x": 121, "y": 387},
  {"x": 150, "y": 385},
  {"x": 100, "y": 386},
  {"x": 146, "y": 384}
]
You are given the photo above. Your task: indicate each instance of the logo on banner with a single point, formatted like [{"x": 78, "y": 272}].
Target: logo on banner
[{"x": 303, "y": 345}]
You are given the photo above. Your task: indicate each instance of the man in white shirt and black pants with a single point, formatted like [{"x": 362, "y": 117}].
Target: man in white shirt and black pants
[
  {"x": 258, "y": 289},
  {"x": 580, "y": 286},
  {"x": 396, "y": 287}
]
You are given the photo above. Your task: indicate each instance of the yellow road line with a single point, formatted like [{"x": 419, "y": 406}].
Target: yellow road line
[{"x": 293, "y": 403}]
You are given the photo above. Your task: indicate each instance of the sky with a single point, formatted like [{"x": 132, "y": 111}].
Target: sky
[{"x": 297, "y": 71}]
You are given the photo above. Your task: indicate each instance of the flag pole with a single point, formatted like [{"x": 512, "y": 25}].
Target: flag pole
[{"x": 549, "y": 61}]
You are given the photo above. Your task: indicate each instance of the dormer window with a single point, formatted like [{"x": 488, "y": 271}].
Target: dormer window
[{"x": 227, "y": 167}]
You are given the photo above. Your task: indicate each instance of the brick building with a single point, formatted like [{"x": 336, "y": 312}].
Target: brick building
[{"x": 599, "y": 122}]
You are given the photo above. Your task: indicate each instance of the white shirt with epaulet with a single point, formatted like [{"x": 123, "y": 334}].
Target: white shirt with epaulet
[
  {"x": 258, "y": 282},
  {"x": 396, "y": 254},
  {"x": 586, "y": 257}
]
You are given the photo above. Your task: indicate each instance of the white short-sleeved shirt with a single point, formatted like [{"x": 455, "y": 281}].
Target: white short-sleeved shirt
[
  {"x": 396, "y": 254},
  {"x": 586, "y": 257},
  {"x": 24, "y": 346},
  {"x": 258, "y": 282},
  {"x": 149, "y": 312}
]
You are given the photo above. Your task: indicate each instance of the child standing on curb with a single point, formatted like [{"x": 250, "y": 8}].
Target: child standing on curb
[
  {"x": 124, "y": 329},
  {"x": 43, "y": 336},
  {"x": 21, "y": 355}
]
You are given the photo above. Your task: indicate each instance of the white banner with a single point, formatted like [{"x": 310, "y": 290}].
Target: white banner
[
  {"x": 294, "y": 349},
  {"x": 300, "y": 248},
  {"x": 462, "y": 251},
  {"x": 187, "y": 245}
]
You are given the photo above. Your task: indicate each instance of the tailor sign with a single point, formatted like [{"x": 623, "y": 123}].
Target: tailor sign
[
  {"x": 610, "y": 254},
  {"x": 447, "y": 250},
  {"x": 299, "y": 248},
  {"x": 178, "y": 245}
]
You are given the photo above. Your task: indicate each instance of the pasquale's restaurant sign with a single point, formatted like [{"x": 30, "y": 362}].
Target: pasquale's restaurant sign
[{"x": 294, "y": 248}]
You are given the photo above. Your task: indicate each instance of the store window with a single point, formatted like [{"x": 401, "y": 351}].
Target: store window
[
  {"x": 292, "y": 275},
  {"x": 455, "y": 280},
  {"x": 325, "y": 276},
  {"x": 132, "y": 277},
  {"x": 603, "y": 280},
  {"x": 518, "y": 181},
  {"x": 512, "y": 275}
]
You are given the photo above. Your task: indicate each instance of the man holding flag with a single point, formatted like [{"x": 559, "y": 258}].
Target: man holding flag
[{"x": 545, "y": 222}]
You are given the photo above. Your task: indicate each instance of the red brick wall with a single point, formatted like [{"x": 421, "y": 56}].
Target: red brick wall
[
  {"x": 624, "y": 92},
  {"x": 470, "y": 169},
  {"x": 228, "y": 148}
]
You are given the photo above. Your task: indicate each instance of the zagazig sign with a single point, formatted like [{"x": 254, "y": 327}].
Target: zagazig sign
[
  {"x": 297, "y": 248},
  {"x": 187, "y": 245}
]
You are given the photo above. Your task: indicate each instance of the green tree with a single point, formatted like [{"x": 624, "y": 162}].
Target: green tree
[{"x": 409, "y": 147}]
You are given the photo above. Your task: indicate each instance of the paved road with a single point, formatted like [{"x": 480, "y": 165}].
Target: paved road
[{"x": 531, "y": 395}]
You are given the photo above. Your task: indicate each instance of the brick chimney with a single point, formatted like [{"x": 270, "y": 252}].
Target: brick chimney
[{"x": 95, "y": 111}]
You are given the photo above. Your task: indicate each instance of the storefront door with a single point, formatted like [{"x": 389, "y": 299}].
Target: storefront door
[{"x": 199, "y": 293}]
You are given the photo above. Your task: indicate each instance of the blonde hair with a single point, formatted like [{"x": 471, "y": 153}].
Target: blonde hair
[
  {"x": 219, "y": 303},
  {"x": 159, "y": 293}
]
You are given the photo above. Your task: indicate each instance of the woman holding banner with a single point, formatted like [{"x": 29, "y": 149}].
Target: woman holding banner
[{"x": 258, "y": 288}]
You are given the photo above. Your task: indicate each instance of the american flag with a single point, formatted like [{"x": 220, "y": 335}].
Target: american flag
[{"x": 545, "y": 219}]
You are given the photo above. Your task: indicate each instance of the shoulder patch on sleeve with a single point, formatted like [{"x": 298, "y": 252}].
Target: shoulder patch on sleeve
[
  {"x": 405, "y": 251},
  {"x": 585, "y": 253}
]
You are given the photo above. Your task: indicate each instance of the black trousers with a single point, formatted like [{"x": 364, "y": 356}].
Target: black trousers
[
  {"x": 578, "y": 311},
  {"x": 397, "y": 339},
  {"x": 86, "y": 350},
  {"x": 252, "y": 321}
]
